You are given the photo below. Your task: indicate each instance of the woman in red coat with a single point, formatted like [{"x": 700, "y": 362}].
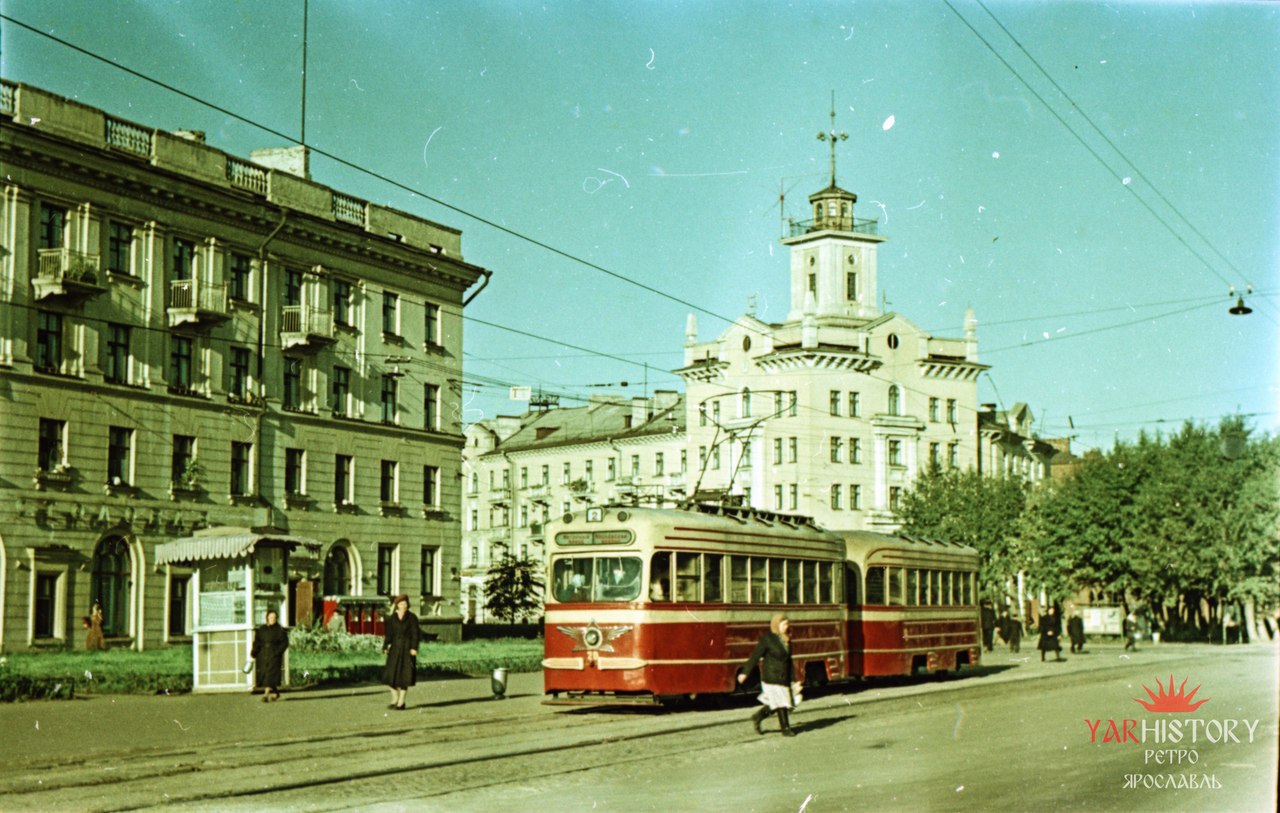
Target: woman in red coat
[{"x": 400, "y": 644}]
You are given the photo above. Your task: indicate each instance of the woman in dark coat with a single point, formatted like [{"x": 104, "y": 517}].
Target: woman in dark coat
[
  {"x": 269, "y": 644},
  {"x": 1051, "y": 634},
  {"x": 773, "y": 652},
  {"x": 400, "y": 643}
]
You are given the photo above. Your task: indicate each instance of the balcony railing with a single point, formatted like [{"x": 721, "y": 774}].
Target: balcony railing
[
  {"x": 197, "y": 302},
  {"x": 348, "y": 209},
  {"x": 128, "y": 137},
  {"x": 63, "y": 272},
  {"x": 8, "y": 98},
  {"x": 302, "y": 325},
  {"x": 795, "y": 228},
  {"x": 248, "y": 176},
  {"x": 500, "y": 494}
]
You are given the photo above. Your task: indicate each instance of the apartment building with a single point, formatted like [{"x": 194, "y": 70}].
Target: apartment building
[
  {"x": 190, "y": 340},
  {"x": 518, "y": 472}
]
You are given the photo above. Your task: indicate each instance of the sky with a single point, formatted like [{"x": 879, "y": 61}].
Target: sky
[{"x": 1091, "y": 178}]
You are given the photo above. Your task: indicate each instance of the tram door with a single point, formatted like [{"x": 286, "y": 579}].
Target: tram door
[{"x": 855, "y": 634}]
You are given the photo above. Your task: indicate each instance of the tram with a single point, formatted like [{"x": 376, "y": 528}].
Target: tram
[{"x": 645, "y": 604}]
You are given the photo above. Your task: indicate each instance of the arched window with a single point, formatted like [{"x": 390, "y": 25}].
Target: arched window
[
  {"x": 337, "y": 572},
  {"x": 745, "y": 406},
  {"x": 895, "y": 400},
  {"x": 112, "y": 578}
]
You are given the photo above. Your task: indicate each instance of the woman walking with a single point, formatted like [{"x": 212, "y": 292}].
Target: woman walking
[
  {"x": 269, "y": 644},
  {"x": 400, "y": 643},
  {"x": 1051, "y": 634},
  {"x": 776, "y": 674}
]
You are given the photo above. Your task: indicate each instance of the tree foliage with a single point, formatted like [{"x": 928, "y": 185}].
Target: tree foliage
[{"x": 513, "y": 589}]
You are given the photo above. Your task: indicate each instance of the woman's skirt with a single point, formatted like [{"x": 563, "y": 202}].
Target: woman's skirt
[{"x": 775, "y": 696}]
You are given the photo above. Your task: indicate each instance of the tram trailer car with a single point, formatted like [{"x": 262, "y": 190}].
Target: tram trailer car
[
  {"x": 645, "y": 604},
  {"x": 912, "y": 604}
]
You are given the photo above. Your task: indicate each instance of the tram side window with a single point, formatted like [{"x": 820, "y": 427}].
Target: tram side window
[
  {"x": 876, "y": 587},
  {"x": 777, "y": 573},
  {"x": 950, "y": 581},
  {"x": 688, "y": 576},
  {"x": 824, "y": 582},
  {"x": 759, "y": 580},
  {"x": 913, "y": 586},
  {"x": 713, "y": 577},
  {"x": 966, "y": 585},
  {"x": 793, "y": 580},
  {"x": 935, "y": 587},
  {"x": 852, "y": 580},
  {"x": 810, "y": 582},
  {"x": 738, "y": 581},
  {"x": 660, "y": 576},
  {"x": 895, "y": 585}
]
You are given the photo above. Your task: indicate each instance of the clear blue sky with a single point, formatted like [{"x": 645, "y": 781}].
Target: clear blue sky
[{"x": 652, "y": 139}]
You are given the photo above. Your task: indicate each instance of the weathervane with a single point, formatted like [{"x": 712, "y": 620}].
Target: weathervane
[{"x": 834, "y": 137}]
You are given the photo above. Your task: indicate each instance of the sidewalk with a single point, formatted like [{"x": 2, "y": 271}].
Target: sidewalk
[{"x": 95, "y": 726}]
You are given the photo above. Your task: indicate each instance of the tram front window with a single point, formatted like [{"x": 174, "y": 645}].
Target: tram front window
[{"x": 596, "y": 578}]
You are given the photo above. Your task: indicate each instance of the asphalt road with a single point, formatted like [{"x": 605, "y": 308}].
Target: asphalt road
[{"x": 1011, "y": 736}]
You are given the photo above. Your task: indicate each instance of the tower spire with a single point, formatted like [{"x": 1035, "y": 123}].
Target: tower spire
[{"x": 833, "y": 137}]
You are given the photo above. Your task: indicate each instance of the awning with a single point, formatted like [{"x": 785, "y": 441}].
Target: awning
[{"x": 227, "y": 543}]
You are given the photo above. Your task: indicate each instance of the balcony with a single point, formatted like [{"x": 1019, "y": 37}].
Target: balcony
[
  {"x": 197, "y": 303},
  {"x": 305, "y": 328},
  {"x": 796, "y": 228},
  {"x": 66, "y": 274},
  {"x": 501, "y": 494},
  {"x": 540, "y": 494}
]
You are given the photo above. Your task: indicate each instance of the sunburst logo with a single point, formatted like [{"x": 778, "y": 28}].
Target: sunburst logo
[{"x": 1171, "y": 702}]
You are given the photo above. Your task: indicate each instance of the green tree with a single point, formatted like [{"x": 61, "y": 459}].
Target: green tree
[
  {"x": 965, "y": 507},
  {"x": 513, "y": 589}
]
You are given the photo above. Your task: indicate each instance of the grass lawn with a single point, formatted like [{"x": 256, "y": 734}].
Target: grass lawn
[{"x": 314, "y": 658}]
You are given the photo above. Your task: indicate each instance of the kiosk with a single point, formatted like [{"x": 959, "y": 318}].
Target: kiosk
[{"x": 239, "y": 574}]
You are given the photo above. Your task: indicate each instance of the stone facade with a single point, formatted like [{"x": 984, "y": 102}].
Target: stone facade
[{"x": 190, "y": 340}]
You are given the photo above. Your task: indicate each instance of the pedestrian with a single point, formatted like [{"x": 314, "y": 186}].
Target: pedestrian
[
  {"x": 1131, "y": 632},
  {"x": 988, "y": 615},
  {"x": 269, "y": 644},
  {"x": 776, "y": 674},
  {"x": 400, "y": 645},
  {"x": 1051, "y": 634},
  {"x": 1075, "y": 631},
  {"x": 93, "y": 637}
]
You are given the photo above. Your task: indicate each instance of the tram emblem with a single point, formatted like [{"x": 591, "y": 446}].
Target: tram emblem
[{"x": 592, "y": 637}]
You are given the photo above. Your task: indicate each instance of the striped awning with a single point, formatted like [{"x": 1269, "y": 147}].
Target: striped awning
[{"x": 227, "y": 543}]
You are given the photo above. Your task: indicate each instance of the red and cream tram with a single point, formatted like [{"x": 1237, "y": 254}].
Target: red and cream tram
[{"x": 648, "y": 603}]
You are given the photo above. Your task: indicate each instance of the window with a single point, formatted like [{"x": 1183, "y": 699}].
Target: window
[
  {"x": 182, "y": 260},
  {"x": 183, "y": 460},
  {"x": 913, "y": 595},
  {"x": 712, "y": 577},
  {"x": 855, "y": 498},
  {"x": 702, "y": 458},
  {"x": 794, "y": 407},
  {"x": 835, "y": 402},
  {"x": 53, "y": 226},
  {"x": 658, "y": 464},
  {"x": 837, "y": 444},
  {"x": 744, "y": 403},
  {"x": 341, "y": 290},
  {"x": 119, "y": 248},
  {"x": 524, "y": 476},
  {"x": 793, "y": 571},
  {"x": 792, "y": 449},
  {"x": 292, "y": 287},
  {"x": 933, "y": 409},
  {"x": 390, "y": 313},
  {"x": 240, "y": 267},
  {"x": 688, "y": 576},
  {"x": 546, "y": 474},
  {"x": 48, "y": 341},
  {"x": 851, "y": 285},
  {"x": 951, "y": 410},
  {"x": 895, "y": 453},
  {"x": 715, "y": 413},
  {"x": 895, "y": 400},
  {"x": 835, "y": 496},
  {"x": 777, "y": 581},
  {"x": 702, "y": 414},
  {"x": 953, "y": 455},
  {"x": 935, "y": 456},
  {"x": 337, "y": 572},
  {"x": 759, "y": 580},
  {"x": 238, "y": 370},
  {"x": 684, "y": 460},
  {"x": 611, "y": 469},
  {"x": 241, "y": 454},
  {"x": 45, "y": 615},
  {"x": 431, "y": 406},
  {"x": 111, "y": 577},
  {"x": 295, "y": 461},
  {"x": 793, "y": 492},
  {"x": 715, "y": 458},
  {"x": 635, "y": 465},
  {"x": 52, "y": 445},
  {"x": 386, "y": 569},
  {"x": 895, "y": 498},
  {"x": 855, "y": 405},
  {"x": 431, "y": 486},
  {"x": 180, "y": 357},
  {"x": 431, "y": 325},
  {"x": 179, "y": 600},
  {"x": 660, "y": 576},
  {"x": 565, "y": 476},
  {"x": 427, "y": 571},
  {"x": 739, "y": 582},
  {"x": 340, "y": 390},
  {"x": 855, "y": 450},
  {"x": 777, "y": 450},
  {"x": 813, "y": 283},
  {"x": 388, "y": 399},
  {"x": 119, "y": 456},
  {"x": 343, "y": 480},
  {"x": 116, "y": 367},
  {"x": 777, "y": 498},
  {"x": 388, "y": 483},
  {"x": 291, "y": 398}
]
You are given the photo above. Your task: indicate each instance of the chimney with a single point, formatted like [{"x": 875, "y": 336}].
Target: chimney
[
  {"x": 639, "y": 411},
  {"x": 293, "y": 160}
]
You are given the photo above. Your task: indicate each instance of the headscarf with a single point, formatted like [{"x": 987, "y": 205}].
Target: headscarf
[{"x": 775, "y": 626}]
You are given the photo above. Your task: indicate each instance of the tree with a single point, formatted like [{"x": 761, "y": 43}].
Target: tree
[
  {"x": 513, "y": 589},
  {"x": 965, "y": 507}
]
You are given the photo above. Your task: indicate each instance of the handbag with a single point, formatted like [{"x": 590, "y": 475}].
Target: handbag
[{"x": 248, "y": 666}]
